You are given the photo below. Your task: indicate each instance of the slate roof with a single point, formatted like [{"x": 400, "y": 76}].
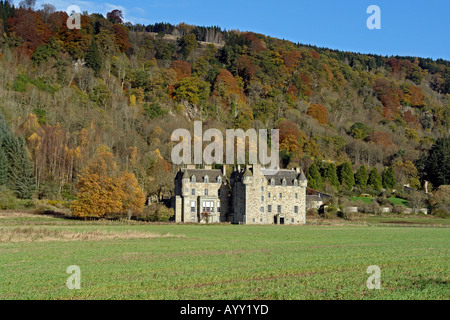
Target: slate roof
[
  {"x": 289, "y": 175},
  {"x": 314, "y": 198},
  {"x": 200, "y": 174}
]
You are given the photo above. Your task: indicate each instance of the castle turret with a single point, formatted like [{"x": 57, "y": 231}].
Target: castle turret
[
  {"x": 248, "y": 176},
  {"x": 185, "y": 181},
  {"x": 302, "y": 180}
]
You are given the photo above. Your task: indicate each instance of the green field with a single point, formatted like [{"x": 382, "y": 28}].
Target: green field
[
  {"x": 218, "y": 261},
  {"x": 392, "y": 200}
]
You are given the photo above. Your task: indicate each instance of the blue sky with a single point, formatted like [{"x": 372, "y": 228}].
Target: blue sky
[{"x": 408, "y": 27}]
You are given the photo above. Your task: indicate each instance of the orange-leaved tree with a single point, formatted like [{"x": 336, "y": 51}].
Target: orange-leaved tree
[
  {"x": 318, "y": 112},
  {"x": 103, "y": 190},
  {"x": 134, "y": 197}
]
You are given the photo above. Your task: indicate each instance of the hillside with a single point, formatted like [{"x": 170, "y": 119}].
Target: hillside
[{"x": 69, "y": 95}]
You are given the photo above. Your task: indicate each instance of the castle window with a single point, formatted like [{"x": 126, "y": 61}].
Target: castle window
[
  {"x": 208, "y": 206},
  {"x": 279, "y": 209},
  {"x": 193, "y": 218},
  {"x": 186, "y": 190},
  {"x": 193, "y": 192},
  {"x": 262, "y": 180},
  {"x": 292, "y": 220},
  {"x": 262, "y": 189},
  {"x": 269, "y": 208},
  {"x": 272, "y": 182},
  {"x": 192, "y": 206},
  {"x": 268, "y": 195},
  {"x": 295, "y": 209},
  {"x": 260, "y": 220},
  {"x": 206, "y": 192},
  {"x": 193, "y": 179},
  {"x": 218, "y": 206},
  {"x": 262, "y": 198},
  {"x": 296, "y": 196},
  {"x": 261, "y": 209},
  {"x": 295, "y": 183},
  {"x": 253, "y": 220},
  {"x": 206, "y": 179},
  {"x": 280, "y": 195}
]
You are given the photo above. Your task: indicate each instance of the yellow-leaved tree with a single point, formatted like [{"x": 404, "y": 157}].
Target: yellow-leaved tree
[
  {"x": 134, "y": 197},
  {"x": 103, "y": 189}
]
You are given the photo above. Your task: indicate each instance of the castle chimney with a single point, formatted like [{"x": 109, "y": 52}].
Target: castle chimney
[{"x": 224, "y": 170}]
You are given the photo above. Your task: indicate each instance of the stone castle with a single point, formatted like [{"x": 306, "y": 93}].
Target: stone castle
[{"x": 253, "y": 197}]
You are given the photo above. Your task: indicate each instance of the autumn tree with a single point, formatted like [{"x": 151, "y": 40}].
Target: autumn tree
[
  {"x": 121, "y": 37},
  {"x": 134, "y": 197},
  {"x": 115, "y": 16},
  {"x": 182, "y": 69},
  {"x": 192, "y": 90},
  {"x": 100, "y": 189},
  {"x": 29, "y": 26},
  {"x": 318, "y": 112}
]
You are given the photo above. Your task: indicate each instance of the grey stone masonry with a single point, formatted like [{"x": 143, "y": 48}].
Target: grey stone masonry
[
  {"x": 256, "y": 197},
  {"x": 201, "y": 195},
  {"x": 260, "y": 198}
]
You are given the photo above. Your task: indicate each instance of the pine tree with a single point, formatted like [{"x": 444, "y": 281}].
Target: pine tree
[
  {"x": 437, "y": 164},
  {"x": 3, "y": 166},
  {"x": 314, "y": 178},
  {"x": 388, "y": 178},
  {"x": 93, "y": 58},
  {"x": 4, "y": 163},
  {"x": 361, "y": 177},
  {"x": 331, "y": 175},
  {"x": 16, "y": 169},
  {"x": 20, "y": 175},
  {"x": 375, "y": 180},
  {"x": 346, "y": 175}
]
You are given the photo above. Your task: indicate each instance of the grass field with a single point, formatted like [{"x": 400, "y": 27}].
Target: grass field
[
  {"x": 392, "y": 200},
  {"x": 148, "y": 261}
]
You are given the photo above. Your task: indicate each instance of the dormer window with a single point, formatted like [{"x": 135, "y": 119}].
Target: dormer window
[
  {"x": 295, "y": 183},
  {"x": 272, "y": 181},
  {"x": 193, "y": 179},
  {"x": 284, "y": 182},
  {"x": 219, "y": 180},
  {"x": 206, "y": 179}
]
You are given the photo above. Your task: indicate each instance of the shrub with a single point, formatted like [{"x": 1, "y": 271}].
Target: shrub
[
  {"x": 383, "y": 201},
  {"x": 156, "y": 212},
  {"x": 311, "y": 213},
  {"x": 398, "y": 208},
  {"x": 8, "y": 200},
  {"x": 330, "y": 215}
]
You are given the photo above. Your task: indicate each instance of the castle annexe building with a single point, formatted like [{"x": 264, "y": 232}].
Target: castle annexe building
[{"x": 254, "y": 196}]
